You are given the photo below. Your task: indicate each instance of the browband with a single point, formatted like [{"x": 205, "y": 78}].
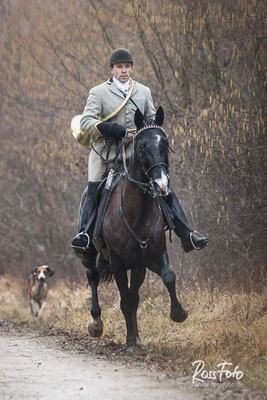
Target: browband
[{"x": 149, "y": 127}]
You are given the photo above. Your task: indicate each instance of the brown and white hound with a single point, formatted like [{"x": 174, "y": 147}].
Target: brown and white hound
[{"x": 38, "y": 289}]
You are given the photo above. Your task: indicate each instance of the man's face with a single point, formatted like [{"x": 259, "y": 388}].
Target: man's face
[{"x": 121, "y": 71}]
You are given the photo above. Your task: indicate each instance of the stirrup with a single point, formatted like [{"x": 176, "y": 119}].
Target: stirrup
[
  {"x": 200, "y": 237},
  {"x": 83, "y": 248},
  {"x": 189, "y": 245}
]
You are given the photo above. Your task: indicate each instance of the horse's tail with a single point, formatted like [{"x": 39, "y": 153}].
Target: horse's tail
[{"x": 104, "y": 269}]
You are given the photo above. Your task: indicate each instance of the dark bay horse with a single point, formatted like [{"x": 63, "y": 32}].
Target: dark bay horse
[{"x": 133, "y": 228}]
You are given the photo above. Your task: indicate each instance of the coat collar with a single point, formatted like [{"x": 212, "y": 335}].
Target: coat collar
[{"x": 113, "y": 88}]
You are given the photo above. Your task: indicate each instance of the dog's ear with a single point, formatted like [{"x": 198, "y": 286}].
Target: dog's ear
[
  {"x": 34, "y": 270},
  {"x": 50, "y": 272}
]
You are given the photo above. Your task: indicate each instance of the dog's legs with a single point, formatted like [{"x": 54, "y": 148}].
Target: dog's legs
[
  {"x": 34, "y": 308},
  {"x": 42, "y": 308}
]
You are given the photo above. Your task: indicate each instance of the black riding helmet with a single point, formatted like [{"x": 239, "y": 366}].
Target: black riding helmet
[{"x": 120, "y": 55}]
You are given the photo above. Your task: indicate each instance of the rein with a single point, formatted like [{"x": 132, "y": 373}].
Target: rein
[
  {"x": 105, "y": 160},
  {"x": 142, "y": 243}
]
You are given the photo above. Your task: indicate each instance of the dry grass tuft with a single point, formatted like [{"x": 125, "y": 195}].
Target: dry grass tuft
[{"x": 222, "y": 325}]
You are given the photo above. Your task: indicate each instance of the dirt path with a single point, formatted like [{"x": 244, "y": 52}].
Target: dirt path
[{"x": 33, "y": 366}]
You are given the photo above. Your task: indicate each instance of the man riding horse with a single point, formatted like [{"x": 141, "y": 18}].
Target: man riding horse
[{"x": 108, "y": 114}]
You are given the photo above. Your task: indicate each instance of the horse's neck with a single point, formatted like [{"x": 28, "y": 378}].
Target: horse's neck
[
  {"x": 136, "y": 172},
  {"x": 136, "y": 198}
]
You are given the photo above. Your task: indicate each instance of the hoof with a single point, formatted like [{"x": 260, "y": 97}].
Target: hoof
[
  {"x": 95, "y": 327},
  {"x": 179, "y": 315},
  {"x": 133, "y": 349}
]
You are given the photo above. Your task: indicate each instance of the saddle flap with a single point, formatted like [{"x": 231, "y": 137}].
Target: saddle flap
[{"x": 104, "y": 195}]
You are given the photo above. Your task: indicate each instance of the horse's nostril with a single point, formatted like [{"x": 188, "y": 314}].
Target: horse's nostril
[
  {"x": 164, "y": 192},
  {"x": 162, "y": 189}
]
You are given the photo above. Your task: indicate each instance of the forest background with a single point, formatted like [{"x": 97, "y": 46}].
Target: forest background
[{"x": 205, "y": 64}]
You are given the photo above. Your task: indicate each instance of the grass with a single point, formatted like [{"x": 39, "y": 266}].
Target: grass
[{"x": 223, "y": 325}]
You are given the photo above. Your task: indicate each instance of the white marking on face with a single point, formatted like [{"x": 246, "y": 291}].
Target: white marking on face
[
  {"x": 158, "y": 138},
  {"x": 41, "y": 275},
  {"x": 162, "y": 182}
]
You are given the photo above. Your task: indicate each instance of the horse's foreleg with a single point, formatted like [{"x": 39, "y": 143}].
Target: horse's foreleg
[
  {"x": 128, "y": 303},
  {"x": 126, "y": 306},
  {"x": 95, "y": 327},
  {"x": 137, "y": 278},
  {"x": 178, "y": 314}
]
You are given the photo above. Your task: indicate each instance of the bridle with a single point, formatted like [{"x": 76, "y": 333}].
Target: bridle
[
  {"x": 147, "y": 187},
  {"x": 148, "y": 171}
]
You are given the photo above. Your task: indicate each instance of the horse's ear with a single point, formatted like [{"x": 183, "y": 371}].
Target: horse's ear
[
  {"x": 138, "y": 119},
  {"x": 159, "y": 116}
]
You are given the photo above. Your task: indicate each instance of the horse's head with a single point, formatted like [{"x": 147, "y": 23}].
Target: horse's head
[{"x": 152, "y": 151}]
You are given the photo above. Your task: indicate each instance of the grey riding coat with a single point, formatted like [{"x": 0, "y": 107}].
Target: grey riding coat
[{"x": 102, "y": 101}]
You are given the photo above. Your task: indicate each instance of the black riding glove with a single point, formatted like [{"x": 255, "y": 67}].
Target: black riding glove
[{"x": 111, "y": 130}]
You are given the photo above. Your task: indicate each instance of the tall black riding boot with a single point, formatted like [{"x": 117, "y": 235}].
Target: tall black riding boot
[
  {"x": 190, "y": 239},
  {"x": 81, "y": 242}
]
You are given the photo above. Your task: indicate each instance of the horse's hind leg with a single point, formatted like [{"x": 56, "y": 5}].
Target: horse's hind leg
[
  {"x": 95, "y": 327},
  {"x": 178, "y": 314}
]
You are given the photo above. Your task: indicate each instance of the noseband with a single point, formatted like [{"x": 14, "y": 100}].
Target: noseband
[{"x": 147, "y": 171}]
